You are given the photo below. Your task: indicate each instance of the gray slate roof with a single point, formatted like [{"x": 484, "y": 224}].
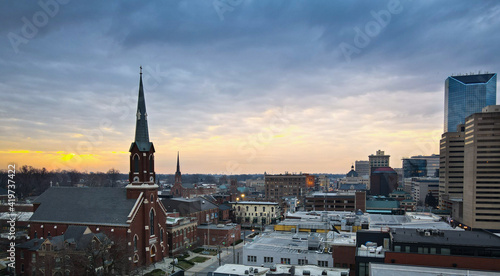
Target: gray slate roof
[
  {"x": 102, "y": 206},
  {"x": 187, "y": 206}
]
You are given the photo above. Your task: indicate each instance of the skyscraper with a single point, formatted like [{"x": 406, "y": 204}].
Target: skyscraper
[
  {"x": 465, "y": 95},
  {"x": 451, "y": 168},
  {"x": 481, "y": 206},
  {"x": 414, "y": 167}
]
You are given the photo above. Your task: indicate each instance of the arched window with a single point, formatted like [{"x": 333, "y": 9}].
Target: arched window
[
  {"x": 151, "y": 163},
  {"x": 135, "y": 242},
  {"x": 247, "y": 208},
  {"x": 161, "y": 235},
  {"x": 136, "y": 163},
  {"x": 152, "y": 222},
  {"x": 272, "y": 209},
  {"x": 255, "y": 208}
]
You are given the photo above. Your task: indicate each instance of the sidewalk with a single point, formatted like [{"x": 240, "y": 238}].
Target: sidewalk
[
  {"x": 213, "y": 259},
  {"x": 165, "y": 265}
]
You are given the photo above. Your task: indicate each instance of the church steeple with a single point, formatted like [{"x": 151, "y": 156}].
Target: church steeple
[
  {"x": 178, "y": 176},
  {"x": 142, "y": 150},
  {"x": 141, "y": 126}
]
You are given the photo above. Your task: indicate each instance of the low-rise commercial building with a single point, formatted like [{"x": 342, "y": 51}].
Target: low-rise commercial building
[
  {"x": 287, "y": 248},
  {"x": 279, "y": 269},
  {"x": 256, "y": 213}
]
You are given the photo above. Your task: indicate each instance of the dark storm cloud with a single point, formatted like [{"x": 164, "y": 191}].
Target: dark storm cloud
[{"x": 209, "y": 74}]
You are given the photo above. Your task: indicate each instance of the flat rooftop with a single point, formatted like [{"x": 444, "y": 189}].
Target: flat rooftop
[
  {"x": 446, "y": 237},
  {"x": 234, "y": 269},
  {"x": 379, "y": 269},
  {"x": 411, "y": 220}
]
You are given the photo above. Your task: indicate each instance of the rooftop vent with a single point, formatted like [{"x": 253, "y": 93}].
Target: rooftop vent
[
  {"x": 324, "y": 272},
  {"x": 306, "y": 272}
]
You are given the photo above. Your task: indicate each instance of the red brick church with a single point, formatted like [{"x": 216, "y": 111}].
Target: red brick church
[
  {"x": 133, "y": 215},
  {"x": 189, "y": 190}
]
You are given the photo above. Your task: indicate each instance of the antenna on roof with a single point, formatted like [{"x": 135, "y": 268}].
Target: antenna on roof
[{"x": 141, "y": 69}]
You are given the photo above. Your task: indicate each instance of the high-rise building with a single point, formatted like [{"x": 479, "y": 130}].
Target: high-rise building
[
  {"x": 432, "y": 164},
  {"x": 378, "y": 160},
  {"x": 362, "y": 167},
  {"x": 465, "y": 95},
  {"x": 451, "y": 168},
  {"x": 414, "y": 167},
  {"x": 482, "y": 169}
]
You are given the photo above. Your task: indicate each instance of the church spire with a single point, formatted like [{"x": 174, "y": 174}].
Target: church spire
[
  {"x": 178, "y": 175},
  {"x": 141, "y": 126},
  {"x": 178, "y": 166}
]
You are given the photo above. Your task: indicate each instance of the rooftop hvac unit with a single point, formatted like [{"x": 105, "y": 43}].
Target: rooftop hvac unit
[
  {"x": 427, "y": 234},
  {"x": 306, "y": 272}
]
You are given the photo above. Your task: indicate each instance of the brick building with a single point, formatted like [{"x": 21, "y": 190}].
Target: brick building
[
  {"x": 199, "y": 208},
  {"x": 181, "y": 234},
  {"x": 132, "y": 215},
  {"x": 219, "y": 235},
  {"x": 352, "y": 201},
  {"x": 477, "y": 249},
  {"x": 283, "y": 185},
  {"x": 66, "y": 254},
  {"x": 190, "y": 190}
]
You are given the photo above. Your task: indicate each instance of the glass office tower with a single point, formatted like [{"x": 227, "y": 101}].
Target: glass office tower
[{"x": 466, "y": 95}]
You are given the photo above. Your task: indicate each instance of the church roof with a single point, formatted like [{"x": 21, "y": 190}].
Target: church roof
[
  {"x": 187, "y": 206},
  {"x": 92, "y": 206}
]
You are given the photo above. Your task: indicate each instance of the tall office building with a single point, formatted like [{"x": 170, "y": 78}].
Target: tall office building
[
  {"x": 378, "y": 160},
  {"x": 362, "y": 167},
  {"x": 465, "y": 95},
  {"x": 451, "y": 167},
  {"x": 432, "y": 164},
  {"x": 414, "y": 167},
  {"x": 481, "y": 204}
]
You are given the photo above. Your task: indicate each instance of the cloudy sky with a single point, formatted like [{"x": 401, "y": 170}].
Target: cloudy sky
[{"x": 237, "y": 86}]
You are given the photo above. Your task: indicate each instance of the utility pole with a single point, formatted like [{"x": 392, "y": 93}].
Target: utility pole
[
  {"x": 234, "y": 241},
  {"x": 218, "y": 251}
]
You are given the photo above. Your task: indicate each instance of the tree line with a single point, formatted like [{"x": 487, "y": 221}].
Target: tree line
[{"x": 32, "y": 181}]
